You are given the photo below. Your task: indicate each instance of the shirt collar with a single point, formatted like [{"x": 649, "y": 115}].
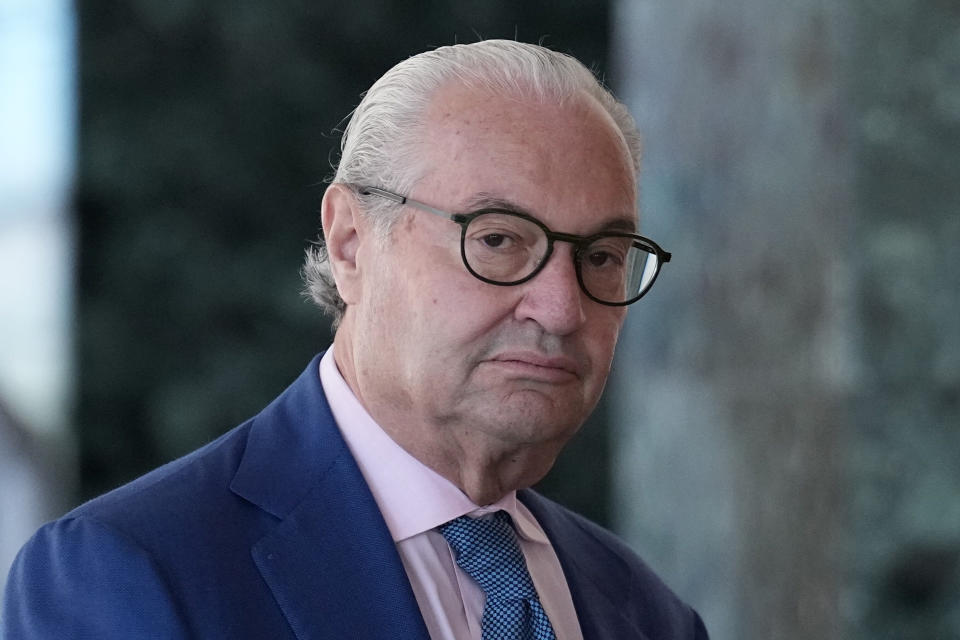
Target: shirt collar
[{"x": 412, "y": 497}]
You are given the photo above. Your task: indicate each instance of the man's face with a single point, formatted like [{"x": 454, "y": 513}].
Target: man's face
[{"x": 440, "y": 352}]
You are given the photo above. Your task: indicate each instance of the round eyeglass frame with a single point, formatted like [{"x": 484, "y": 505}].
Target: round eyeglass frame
[{"x": 580, "y": 243}]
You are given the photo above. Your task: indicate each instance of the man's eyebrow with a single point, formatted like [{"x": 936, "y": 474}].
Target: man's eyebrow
[
  {"x": 627, "y": 225},
  {"x": 484, "y": 200}
]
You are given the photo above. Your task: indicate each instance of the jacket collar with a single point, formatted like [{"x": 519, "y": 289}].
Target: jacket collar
[
  {"x": 330, "y": 561},
  {"x": 600, "y": 580}
]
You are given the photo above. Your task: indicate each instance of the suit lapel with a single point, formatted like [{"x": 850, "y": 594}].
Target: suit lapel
[
  {"x": 334, "y": 568},
  {"x": 330, "y": 562},
  {"x": 599, "y": 580}
]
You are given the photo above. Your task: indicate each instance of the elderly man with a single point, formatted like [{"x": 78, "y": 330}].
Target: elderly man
[{"x": 479, "y": 250}]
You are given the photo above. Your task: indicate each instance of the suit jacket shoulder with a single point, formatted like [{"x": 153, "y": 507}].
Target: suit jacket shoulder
[
  {"x": 267, "y": 532},
  {"x": 149, "y": 559}
]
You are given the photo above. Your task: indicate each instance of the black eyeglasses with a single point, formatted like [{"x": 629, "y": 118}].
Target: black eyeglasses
[{"x": 506, "y": 248}]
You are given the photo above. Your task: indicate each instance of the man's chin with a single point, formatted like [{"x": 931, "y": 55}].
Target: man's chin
[{"x": 530, "y": 416}]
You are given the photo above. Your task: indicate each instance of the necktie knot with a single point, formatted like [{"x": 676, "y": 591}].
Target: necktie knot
[{"x": 487, "y": 550}]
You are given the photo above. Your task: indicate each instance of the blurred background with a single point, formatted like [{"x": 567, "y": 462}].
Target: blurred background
[{"x": 781, "y": 434}]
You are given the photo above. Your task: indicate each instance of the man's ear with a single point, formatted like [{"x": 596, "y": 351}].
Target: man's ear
[{"x": 343, "y": 230}]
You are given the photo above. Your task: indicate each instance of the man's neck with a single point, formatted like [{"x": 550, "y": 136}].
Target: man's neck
[{"x": 483, "y": 468}]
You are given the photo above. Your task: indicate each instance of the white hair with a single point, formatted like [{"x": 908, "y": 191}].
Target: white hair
[{"x": 381, "y": 143}]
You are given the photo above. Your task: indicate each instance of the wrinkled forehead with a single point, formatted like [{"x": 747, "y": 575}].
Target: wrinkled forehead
[
  {"x": 480, "y": 112},
  {"x": 543, "y": 154}
]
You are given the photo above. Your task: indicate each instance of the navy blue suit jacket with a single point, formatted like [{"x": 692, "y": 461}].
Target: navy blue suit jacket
[{"x": 271, "y": 532}]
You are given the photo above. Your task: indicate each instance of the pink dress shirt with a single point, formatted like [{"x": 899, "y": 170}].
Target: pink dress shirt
[{"x": 414, "y": 500}]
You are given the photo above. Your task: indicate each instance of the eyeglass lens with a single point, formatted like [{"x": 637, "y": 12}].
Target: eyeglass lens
[{"x": 506, "y": 249}]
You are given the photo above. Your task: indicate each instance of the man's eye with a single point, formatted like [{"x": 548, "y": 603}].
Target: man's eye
[
  {"x": 494, "y": 240},
  {"x": 602, "y": 259},
  {"x": 598, "y": 258},
  {"x": 499, "y": 240}
]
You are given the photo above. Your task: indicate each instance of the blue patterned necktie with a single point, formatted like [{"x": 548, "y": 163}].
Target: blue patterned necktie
[{"x": 487, "y": 550}]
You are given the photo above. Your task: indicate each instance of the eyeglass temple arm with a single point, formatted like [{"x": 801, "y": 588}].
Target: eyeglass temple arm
[
  {"x": 389, "y": 195},
  {"x": 373, "y": 191}
]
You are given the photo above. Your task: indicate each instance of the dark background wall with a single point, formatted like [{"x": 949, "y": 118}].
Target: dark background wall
[{"x": 206, "y": 131}]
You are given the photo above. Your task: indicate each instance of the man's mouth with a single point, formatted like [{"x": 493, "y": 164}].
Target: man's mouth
[{"x": 537, "y": 366}]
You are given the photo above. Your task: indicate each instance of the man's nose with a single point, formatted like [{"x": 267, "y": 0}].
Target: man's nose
[{"x": 553, "y": 297}]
